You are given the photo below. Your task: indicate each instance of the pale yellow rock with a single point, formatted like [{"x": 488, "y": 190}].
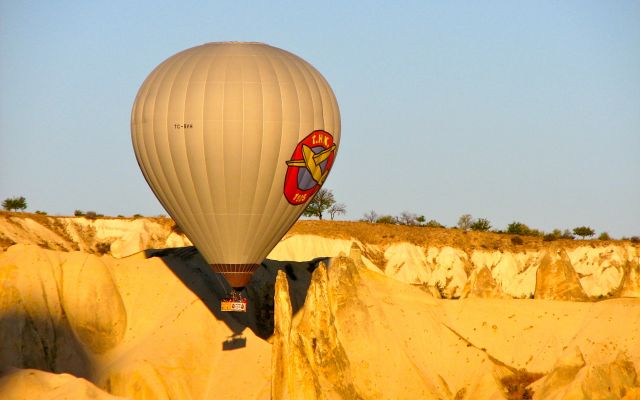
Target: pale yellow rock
[
  {"x": 556, "y": 278},
  {"x": 482, "y": 285},
  {"x": 31, "y": 384},
  {"x": 92, "y": 302},
  {"x": 573, "y": 379}
]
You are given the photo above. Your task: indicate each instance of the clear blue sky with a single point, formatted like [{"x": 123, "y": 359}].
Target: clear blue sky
[{"x": 511, "y": 110}]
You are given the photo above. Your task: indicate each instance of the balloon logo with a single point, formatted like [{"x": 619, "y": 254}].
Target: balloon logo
[
  {"x": 219, "y": 130},
  {"x": 309, "y": 166}
]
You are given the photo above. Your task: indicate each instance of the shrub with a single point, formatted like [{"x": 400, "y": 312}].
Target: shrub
[
  {"x": 434, "y": 224},
  {"x": 78, "y": 213},
  {"x": 103, "y": 248},
  {"x": 137, "y": 215},
  {"x": 604, "y": 236},
  {"x": 517, "y": 228},
  {"x": 583, "y": 231},
  {"x": 549, "y": 237},
  {"x": 41, "y": 212},
  {"x": 517, "y": 240},
  {"x": 387, "y": 219},
  {"x": 635, "y": 239},
  {"x": 566, "y": 234},
  {"x": 481, "y": 224},
  {"x": 91, "y": 215}
]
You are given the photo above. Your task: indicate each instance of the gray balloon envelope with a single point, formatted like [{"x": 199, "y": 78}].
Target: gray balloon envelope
[{"x": 235, "y": 139}]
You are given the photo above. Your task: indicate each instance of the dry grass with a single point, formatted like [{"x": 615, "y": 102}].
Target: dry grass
[
  {"x": 375, "y": 234},
  {"x": 371, "y": 233}
]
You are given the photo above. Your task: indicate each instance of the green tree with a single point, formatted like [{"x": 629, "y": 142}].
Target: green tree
[
  {"x": 583, "y": 231},
  {"x": 433, "y": 224},
  {"x": 481, "y": 224},
  {"x": 464, "y": 222},
  {"x": 387, "y": 219},
  {"x": 320, "y": 203},
  {"x": 421, "y": 220},
  {"x": 15, "y": 203},
  {"x": 604, "y": 236},
  {"x": 517, "y": 228}
]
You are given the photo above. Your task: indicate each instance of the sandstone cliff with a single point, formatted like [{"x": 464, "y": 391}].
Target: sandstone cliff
[{"x": 447, "y": 262}]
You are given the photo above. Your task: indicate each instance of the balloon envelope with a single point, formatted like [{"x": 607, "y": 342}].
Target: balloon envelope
[{"x": 234, "y": 139}]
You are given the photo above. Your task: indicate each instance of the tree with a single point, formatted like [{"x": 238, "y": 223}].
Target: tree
[
  {"x": 421, "y": 220},
  {"x": 517, "y": 228},
  {"x": 371, "y": 216},
  {"x": 407, "y": 218},
  {"x": 320, "y": 203},
  {"x": 387, "y": 219},
  {"x": 14, "y": 203},
  {"x": 434, "y": 224},
  {"x": 481, "y": 224},
  {"x": 583, "y": 231},
  {"x": 337, "y": 208},
  {"x": 604, "y": 236},
  {"x": 464, "y": 222}
]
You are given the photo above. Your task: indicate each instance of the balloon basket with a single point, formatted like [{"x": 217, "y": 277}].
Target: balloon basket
[{"x": 235, "y": 302}]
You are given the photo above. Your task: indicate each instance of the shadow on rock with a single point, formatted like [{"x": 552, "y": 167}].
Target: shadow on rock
[
  {"x": 194, "y": 272},
  {"x": 29, "y": 341}
]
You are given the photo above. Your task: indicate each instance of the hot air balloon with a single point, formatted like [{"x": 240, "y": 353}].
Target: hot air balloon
[{"x": 234, "y": 140}]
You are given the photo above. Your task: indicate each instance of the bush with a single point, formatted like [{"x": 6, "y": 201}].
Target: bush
[
  {"x": 78, "y": 213},
  {"x": 91, "y": 215},
  {"x": 583, "y": 231},
  {"x": 604, "y": 236},
  {"x": 635, "y": 239},
  {"x": 103, "y": 248},
  {"x": 517, "y": 240},
  {"x": 434, "y": 224},
  {"x": 549, "y": 237},
  {"x": 517, "y": 228},
  {"x": 481, "y": 224},
  {"x": 137, "y": 215},
  {"x": 41, "y": 212},
  {"x": 387, "y": 219}
]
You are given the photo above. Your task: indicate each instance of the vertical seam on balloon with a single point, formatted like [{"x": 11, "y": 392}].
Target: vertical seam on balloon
[
  {"x": 284, "y": 205},
  {"x": 214, "y": 236},
  {"x": 313, "y": 78},
  {"x": 159, "y": 175},
  {"x": 236, "y": 250},
  {"x": 201, "y": 223},
  {"x": 269, "y": 196},
  {"x": 323, "y": 90},
  {"x": 185, "y": 211},
  {"x": 251, "y": 226}
]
